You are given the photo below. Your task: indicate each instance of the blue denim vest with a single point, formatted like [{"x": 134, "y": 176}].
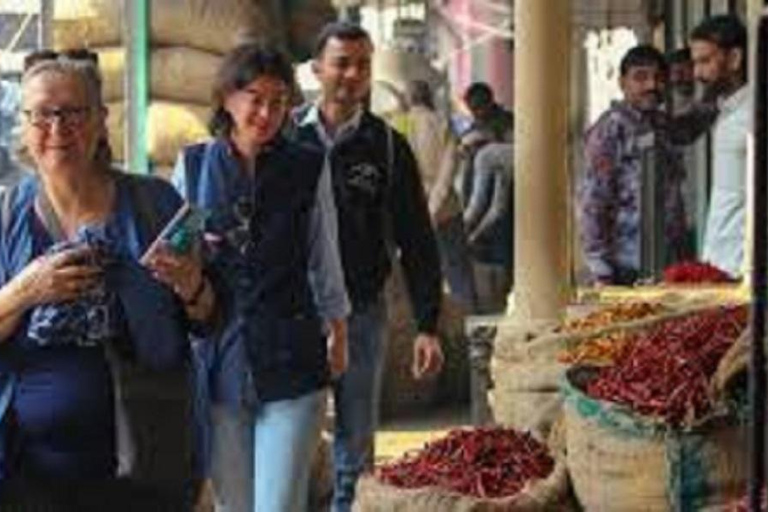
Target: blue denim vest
[{"x": 272, "y": 345}]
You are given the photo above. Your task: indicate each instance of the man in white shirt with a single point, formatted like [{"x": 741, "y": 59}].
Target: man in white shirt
[{"x": 719, "y": 53}]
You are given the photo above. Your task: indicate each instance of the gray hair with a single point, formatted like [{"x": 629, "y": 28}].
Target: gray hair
[{"x": 85, "y": 72}]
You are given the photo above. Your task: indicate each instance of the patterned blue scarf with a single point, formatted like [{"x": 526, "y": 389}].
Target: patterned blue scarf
[{"x": 91, "y": 320}]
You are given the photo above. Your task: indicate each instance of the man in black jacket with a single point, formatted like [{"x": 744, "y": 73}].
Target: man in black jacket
[{"x": 382, "y": 214}]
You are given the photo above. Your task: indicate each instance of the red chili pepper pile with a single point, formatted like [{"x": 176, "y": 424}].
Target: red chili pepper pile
[
  {"x": 666, "y": 371},
  {"x": 695, "y": 272},
  {"x": 483, "y": 462}
]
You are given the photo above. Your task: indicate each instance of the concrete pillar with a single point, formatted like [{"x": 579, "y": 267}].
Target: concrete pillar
[{"x": 542, "y": 206}]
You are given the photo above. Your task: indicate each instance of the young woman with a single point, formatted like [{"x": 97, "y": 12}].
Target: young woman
[{"x": 272, "y": 238}]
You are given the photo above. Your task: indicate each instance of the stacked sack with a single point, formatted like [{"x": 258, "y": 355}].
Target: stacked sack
[{"x": 187, "y": 41}]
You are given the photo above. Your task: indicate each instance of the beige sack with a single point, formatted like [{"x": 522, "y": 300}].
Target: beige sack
[
  {"x": 623, "y": 462},
  {"x": 527, "y": 373},
  {"x": 171, "y": 126},
  {"x": 177, "y": 73},
  {"x": 112, "y": 67},
  {"x": 548, "y": 495},
  {"x": 87, "y": 23},
  {"x": 183, "y": 74},
  {"x": 211, "y": 25},
  {"x": 116, "y": 126}
]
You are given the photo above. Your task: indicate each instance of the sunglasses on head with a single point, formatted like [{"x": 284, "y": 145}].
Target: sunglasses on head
[{"x": 82, "y": 54}]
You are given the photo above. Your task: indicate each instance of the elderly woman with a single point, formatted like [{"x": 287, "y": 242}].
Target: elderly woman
[
  {"x": 272, "y": 233},
  {"x": 70, "y": 240}
]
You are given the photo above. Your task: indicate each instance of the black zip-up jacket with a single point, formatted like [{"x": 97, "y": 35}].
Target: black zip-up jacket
[{"x": 382, "y": 213}]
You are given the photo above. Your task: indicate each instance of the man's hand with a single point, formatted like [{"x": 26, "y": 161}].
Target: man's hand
[
  {"x": 338, "y": 352},
  {"x": 427, "y": 356}
]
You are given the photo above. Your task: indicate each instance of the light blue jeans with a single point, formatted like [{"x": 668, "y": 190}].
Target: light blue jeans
[
  {"x": 285, "y": 437},
  {"x": 261, "y": 458},
  {"x": 232, "y": 458},
  {"x": 356, "y": 398}
]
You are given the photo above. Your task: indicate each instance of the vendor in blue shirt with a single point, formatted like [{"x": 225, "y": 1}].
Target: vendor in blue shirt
[
  {"x": 272, "y": 237},
  {"x": 71, "y": 285}
]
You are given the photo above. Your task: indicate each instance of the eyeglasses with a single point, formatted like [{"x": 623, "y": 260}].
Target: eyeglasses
[
  {"x": 81, "y": 54},
  {"x": 71, "y": 117}
]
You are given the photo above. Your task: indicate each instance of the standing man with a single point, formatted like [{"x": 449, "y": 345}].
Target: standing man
[
  {"x": 681, "y": 83},
  {"x": 434, "y": 146},
  {"x": 629, "y": 133},
  {"x": 488, "y": 157},
  {"x": 719, "y": 52},
  {"x": 382, "y": 214}
]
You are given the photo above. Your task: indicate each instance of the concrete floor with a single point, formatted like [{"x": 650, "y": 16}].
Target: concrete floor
[{"x": 396, "y": 437}]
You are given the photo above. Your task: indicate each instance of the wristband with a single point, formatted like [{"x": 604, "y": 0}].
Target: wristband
[{"x": 191, "y": 301}]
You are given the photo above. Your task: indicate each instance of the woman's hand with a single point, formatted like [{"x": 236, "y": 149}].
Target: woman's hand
[
  {"x": 59, "y": 277},
  {"x": 183, "y": 273}
]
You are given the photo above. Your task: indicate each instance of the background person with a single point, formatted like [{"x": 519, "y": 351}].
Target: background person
[
  {"x": 630, "y": 132},
  {"x": 435, "y": 149},
  {"x": 719, "y": 52}
]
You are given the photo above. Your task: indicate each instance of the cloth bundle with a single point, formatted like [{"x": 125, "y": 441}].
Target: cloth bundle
[{"x": 91, "y": 320}]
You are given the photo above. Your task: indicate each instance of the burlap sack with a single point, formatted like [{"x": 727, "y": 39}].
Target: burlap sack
[
  {"x": 90, "y": 23},
  {"x": 112, "y": 67},
  {"x": 550, "y": 494},
  {"x": 177, "y": 73},
  {"x": 623, "y": 462},
  {"x": 732, "y": 367},
  {"x": 170, "y": 126},
  {"x": 116, "y": 126},
  {"x": 527, "y": 373},
  {"x": 210, "y": 25},
  {"x": 183, "y": 74},
  {"x": 304, "y": 20}
]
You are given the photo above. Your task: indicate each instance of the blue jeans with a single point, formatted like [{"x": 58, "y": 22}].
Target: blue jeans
[
  {"x": 285, "y": 436},
  {"x": 231, "y": 463},
  {"x": 356, "y": 398},
  {"x": 456, "y": 262}
]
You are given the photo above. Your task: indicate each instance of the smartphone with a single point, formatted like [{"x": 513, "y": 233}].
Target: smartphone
[{"x": 179, "y": 234}]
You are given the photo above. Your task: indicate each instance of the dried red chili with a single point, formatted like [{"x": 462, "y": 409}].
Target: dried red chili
[
  {"x": 483, "y": 462},
  {"x": 666, "y": 370},
  {"x": 696, "y": 272}
]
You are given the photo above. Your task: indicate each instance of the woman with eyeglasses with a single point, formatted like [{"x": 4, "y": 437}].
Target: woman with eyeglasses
[
  {"x": 72, "y": 290},
  {"x": 272, "y": 236}
]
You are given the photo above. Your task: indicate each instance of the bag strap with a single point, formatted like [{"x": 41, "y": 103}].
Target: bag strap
[
  {"x": 6, "y": 394},
  {"x": 6, "y": 207},
  {"x": 48, "y": 216},
  {"x": 143, "y": 204},
  {"x": 389, "y": 225}
]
